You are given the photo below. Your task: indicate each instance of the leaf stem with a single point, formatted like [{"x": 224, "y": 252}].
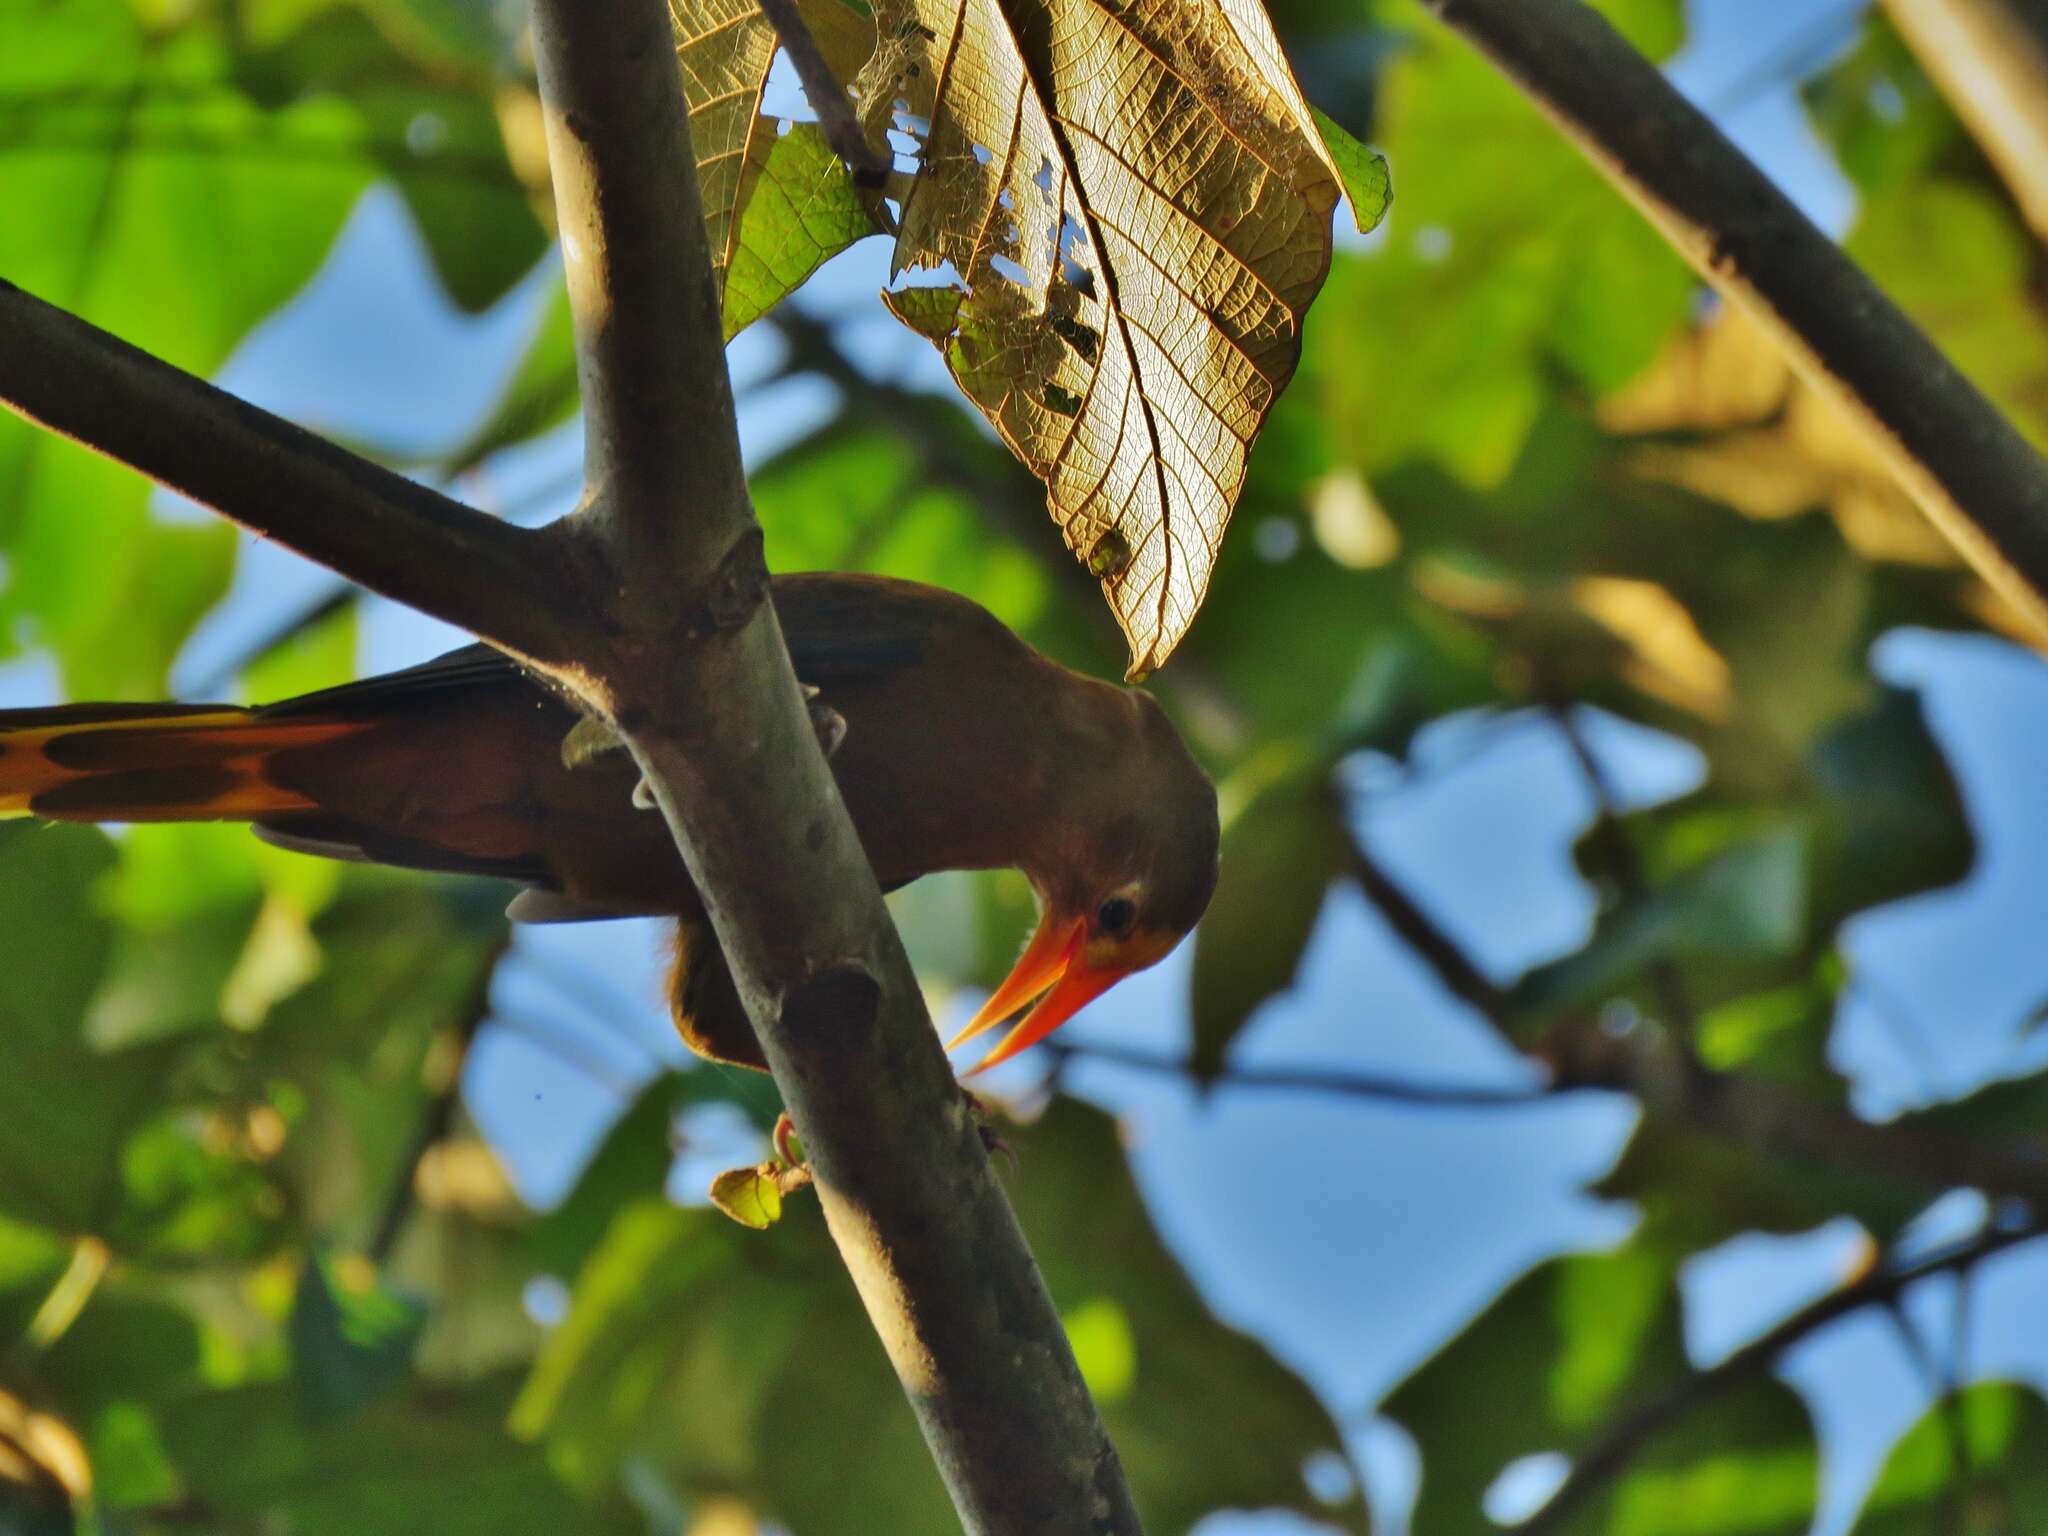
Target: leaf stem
[{"x": 837, "y": 119}]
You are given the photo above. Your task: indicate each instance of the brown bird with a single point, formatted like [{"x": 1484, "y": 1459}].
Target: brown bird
[{"x": 956, "y": 746}]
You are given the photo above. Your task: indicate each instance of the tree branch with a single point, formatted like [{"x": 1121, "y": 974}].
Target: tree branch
[
  {"x": 1612, "y": 1451},
  {"x": 827, "y": 95},
  {"x": 1990, "y": 60},
  {"x": 1349, "y": 1085},
  {"x": 1970, "y": 471},
  {"x": 698, "y": 679},
  {"x": 1431, "y": 945},
  {"x": 1608, "y": 841},
  {"x": 1762, "y": 1115},
  {"x": 279, "y": 480}
]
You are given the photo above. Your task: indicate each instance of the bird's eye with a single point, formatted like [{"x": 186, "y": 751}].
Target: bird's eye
[{"x": 1116, "y": 915}]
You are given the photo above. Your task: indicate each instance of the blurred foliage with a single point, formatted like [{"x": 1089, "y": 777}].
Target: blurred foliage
[{"x": 258, "y": 1271}]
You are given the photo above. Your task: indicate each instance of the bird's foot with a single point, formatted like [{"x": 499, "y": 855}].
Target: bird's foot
[
  {"x": 825, "y": 720},
  {"x": 984, "y": 1117}
]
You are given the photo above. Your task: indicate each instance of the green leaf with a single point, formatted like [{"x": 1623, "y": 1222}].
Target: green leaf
[
  {"x": 1893, "y": 823},
  {"x": 1104, "y": 1348},
  {"x": 431, "y": 130},
  {"x": 442, "y": 1463},
  {"x": 750, "y": 1196},
  {"x": 2000, "y": 1431},
  {"x": 352, "y": 1337},
  {"x": 1367, "y": 182},
  {"x": 52, "y": 932},
  {"x": 1561, "y": 1352},
  {"x": 799, "y": 211},
  {"x": 130, "y": 1466},
  {"x": 1746, "y": 902},
  {"x": 703, "y": 1354},
  {"x": 1483, "y": 287},
  {"x": 1279, "y": 854},
  {"x": 540, "y": 395}
]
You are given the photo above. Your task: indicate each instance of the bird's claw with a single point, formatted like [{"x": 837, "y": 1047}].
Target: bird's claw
[
  {"x": 643, "y": 797},
  {"x": 991, "y": 1139},
  {"x": 829, "y": 724}
]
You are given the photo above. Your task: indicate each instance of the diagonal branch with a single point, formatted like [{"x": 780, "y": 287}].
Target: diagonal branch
[
  {"x": 279, "y": 480},
  {"x": 1430, "y": 944},
  {"x": 1973, "y": 475},
  {"x": 1612, "y": 1450},
  {"x": 1607, "y": 840}
]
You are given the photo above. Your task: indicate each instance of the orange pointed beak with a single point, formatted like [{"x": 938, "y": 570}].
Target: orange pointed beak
[{"x": 1053, "y": 968}]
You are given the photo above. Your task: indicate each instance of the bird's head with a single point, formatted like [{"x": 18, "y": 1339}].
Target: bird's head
[{"x": 1126, "y": 874}]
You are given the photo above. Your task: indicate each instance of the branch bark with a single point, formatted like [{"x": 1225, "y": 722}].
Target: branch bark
[
  {"x": 1990, "y": 59},
  {"x": 700, "y": 683},
  {"x": 1966, "y": 466}
]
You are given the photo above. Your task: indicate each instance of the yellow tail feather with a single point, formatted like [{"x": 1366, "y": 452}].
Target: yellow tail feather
[{"x": 124, "y": 763}]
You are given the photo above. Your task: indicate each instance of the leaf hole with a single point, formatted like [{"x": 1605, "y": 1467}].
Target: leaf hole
[
  {"x": 1063, "y": 402},
  {"x": 1084, "y": 339},
  {"x": 1111, "y": 555},
  {"x": 941, "y": 274},
  {"x": 1006, "y": 267}
]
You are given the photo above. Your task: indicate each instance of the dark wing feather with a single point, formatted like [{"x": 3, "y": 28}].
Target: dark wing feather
[{"x": 469, "y": 667}]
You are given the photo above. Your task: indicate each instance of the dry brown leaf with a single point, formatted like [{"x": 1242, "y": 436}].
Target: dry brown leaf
[
  {"x": 1768, "y": 445},
  {"x": 1128, "y": 209}
]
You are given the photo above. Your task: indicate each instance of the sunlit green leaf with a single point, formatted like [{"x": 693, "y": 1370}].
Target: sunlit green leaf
[
  {"x": 801, "y": 210},
  {"x": 1367, "y": 183},
  {"x": 750, "y": 1196}
]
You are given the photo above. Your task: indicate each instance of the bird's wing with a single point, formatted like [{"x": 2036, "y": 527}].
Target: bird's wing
[
  {"x": 394, "y": 691},
  {"x": 844, "y": 629}
]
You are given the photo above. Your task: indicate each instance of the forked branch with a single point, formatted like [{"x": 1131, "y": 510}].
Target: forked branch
[{"x": 649, "y": 604}]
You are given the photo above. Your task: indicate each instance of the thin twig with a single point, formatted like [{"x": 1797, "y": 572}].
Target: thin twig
[
  {"x": 1617, "y": 1445},
  {"x": 837, "y": 119},
  {"x": 1419, "y": 931},
  {"x": 1971, "y": 472},
  {"x": 1315, "y": 1080},
  {"x": 1607, "y": 840}
]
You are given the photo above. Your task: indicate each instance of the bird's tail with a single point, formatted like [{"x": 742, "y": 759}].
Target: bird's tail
[{"x": 151, "y": 762}]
